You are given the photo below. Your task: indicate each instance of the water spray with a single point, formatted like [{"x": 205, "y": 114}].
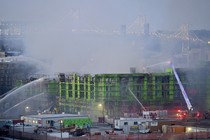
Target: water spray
[
  {"x": 18, "y": 104},
  {"x": 146, "y": 68},
  {"x": 137, "y": 100}
]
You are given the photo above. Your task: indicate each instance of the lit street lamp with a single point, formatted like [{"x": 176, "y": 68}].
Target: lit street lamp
[
  {"x": 27, "y": 109},
  {"x": 102, "y": 107}
]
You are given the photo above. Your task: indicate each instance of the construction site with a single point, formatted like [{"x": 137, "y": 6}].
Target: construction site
[{"x": 181, "y": 83}]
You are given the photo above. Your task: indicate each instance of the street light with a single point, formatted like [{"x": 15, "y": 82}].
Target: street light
[
  {"x": 61, "y": 123},
  {"x": 101, "y": 106},
  {"x": 27, "y": 109}
]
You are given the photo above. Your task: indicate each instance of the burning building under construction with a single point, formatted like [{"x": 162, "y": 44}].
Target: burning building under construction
[
  {"x": 111, "y": 93},
  {"x": 114, "y": 95}
]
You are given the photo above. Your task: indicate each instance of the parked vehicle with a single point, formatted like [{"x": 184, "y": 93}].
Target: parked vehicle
[
  {"x": 40, "y": 129},
  {"x": 21, "y": 125},
  {"x": 133, "y": 124}
]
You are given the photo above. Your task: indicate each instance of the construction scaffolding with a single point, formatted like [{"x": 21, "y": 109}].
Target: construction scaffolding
[
  {"x": 84, "y": 93},
  {"x": 108, "y": 95}
]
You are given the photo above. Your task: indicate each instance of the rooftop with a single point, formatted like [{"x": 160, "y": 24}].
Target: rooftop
[{"x": 45, "y": 116}]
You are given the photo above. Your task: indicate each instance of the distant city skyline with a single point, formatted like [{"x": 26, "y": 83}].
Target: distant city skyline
[
  {"x": 108, "y": 14},
  {"x": 51, "y": 22}
]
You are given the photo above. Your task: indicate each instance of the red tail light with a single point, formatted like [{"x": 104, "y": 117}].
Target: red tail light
[{"x": 198, "y": 114}]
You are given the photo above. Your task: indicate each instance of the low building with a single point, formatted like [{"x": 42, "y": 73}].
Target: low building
[
  {"x": 133, "y": 124},
  {"x": 57, "y": 120}
]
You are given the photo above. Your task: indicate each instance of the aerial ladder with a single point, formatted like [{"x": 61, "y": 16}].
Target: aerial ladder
[
  {"x": 189, "y": 105},
  {"x": 184, "y": 114}
]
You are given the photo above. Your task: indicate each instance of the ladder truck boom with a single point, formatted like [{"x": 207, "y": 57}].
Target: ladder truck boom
[
  {"x": 189, "y": 106},
  {"x": 143, "y": 108}
]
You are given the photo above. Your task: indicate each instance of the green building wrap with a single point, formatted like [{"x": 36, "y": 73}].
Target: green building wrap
[
  {"x": 89, "y": 87},
  {"x": 83, "y": 93},
  {"x": 62, "y": 89},
  {"x": 73, "y": 86},
  {"x": 78, "y": 93},
  {"x": 67, "y": 90},
  {"x": 78, "y": 87},
  {"x": 53, "y": 87},
  {"x": 117, "y": 85},
  {"x": 158, "y": 87},
  {"x": 112, "y": 91},
  {"x": 145, "y": 89},
  {"x": 79, "y": 122},
  {"x": 19, "y": 83},
  {"x": 171, "y": 87}
]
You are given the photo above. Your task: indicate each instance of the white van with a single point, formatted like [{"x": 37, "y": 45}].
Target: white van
[{"x": 21, "y": 125}]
